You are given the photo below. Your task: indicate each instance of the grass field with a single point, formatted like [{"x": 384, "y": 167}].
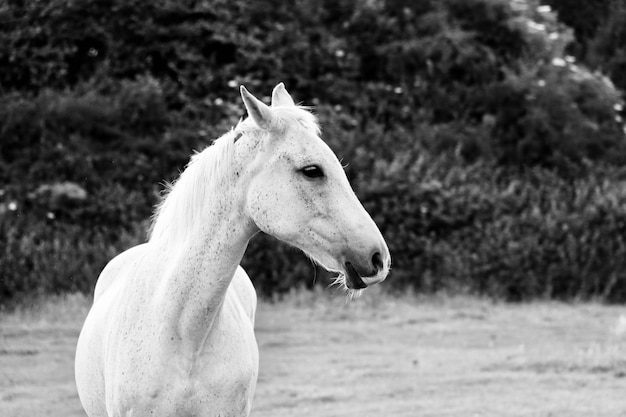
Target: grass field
[{"x": 376, "y": 356}]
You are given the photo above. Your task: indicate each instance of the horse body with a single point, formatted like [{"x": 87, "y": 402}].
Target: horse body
[
  {"x": 136, "y": 357},
  {"x": 170, "y": 329},
  {"x": 170, "y": 332}
]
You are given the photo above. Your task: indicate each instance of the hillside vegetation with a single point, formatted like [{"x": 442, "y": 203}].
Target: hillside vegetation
[{"x": 489, "y": 156}]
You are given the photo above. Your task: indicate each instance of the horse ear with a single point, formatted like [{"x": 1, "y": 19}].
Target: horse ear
[
  {"x": 280, "y": 96},
  {"x": 258, "y": 111}
]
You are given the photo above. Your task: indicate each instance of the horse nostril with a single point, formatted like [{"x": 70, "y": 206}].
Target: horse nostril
[{"x": 377, "y": 261}]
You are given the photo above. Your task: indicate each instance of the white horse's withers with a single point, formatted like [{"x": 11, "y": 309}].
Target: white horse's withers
[{"x": 170, "y": 332}]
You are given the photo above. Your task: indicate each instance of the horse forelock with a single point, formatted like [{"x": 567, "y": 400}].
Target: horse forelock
[
  {"x": 285, "y": 117},
  {"x": 299, "y": 116}
]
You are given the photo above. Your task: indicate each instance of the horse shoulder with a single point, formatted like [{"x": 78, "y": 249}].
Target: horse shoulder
[
  {"x": 245, "y": 292},
  {"x": 116, "y": 268}
]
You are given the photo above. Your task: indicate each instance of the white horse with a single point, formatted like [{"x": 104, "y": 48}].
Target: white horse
[{"x": 170, "y": 332}]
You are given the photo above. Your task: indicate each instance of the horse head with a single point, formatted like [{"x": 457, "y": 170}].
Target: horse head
[{"x": 299, "y": 193}]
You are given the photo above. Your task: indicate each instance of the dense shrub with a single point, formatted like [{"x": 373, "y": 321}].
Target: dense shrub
[
  {"x": 607, "y": 49},
  {"x": 111, "y": 142},
  {"x": 39, "y": 254},
  {"x": 488, "y": 155},
  {"x": 483, "y": 228},
  {"x": 600, "y": 31}
]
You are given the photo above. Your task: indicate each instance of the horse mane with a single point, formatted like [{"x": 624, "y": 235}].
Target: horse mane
[{"x": 178, "y": 212}]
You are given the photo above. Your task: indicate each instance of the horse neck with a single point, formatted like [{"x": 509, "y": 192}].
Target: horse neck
[{"x": 200, "y": 264}]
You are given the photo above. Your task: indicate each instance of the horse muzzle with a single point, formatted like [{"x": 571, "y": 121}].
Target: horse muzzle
[{"x": 359, "y": 278}]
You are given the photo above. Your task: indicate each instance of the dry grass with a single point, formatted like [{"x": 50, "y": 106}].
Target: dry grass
[{"x": 378, "y": 355}]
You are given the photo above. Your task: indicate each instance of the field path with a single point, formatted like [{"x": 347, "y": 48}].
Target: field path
[{"x": 378, "y": 356}]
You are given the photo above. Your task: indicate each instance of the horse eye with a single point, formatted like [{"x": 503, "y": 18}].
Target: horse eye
[{"x": 312, "y": 171}]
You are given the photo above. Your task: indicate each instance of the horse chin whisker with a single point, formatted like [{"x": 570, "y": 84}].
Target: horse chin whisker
[
  {"x": 352, "y": 294},
  {"x": 340, "y": 282}
]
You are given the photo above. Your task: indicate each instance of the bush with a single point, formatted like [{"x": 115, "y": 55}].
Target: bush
[
  {"x": 44, "y": 255},
  {"x": 485, "y": 229},
  {"x": 600, "y": 34},
  {"x": 607, "y": 49},
  {"x": 571, "y": 120}
]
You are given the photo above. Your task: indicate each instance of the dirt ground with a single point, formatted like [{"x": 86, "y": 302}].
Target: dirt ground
[{"x": 376, "y": 356}]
